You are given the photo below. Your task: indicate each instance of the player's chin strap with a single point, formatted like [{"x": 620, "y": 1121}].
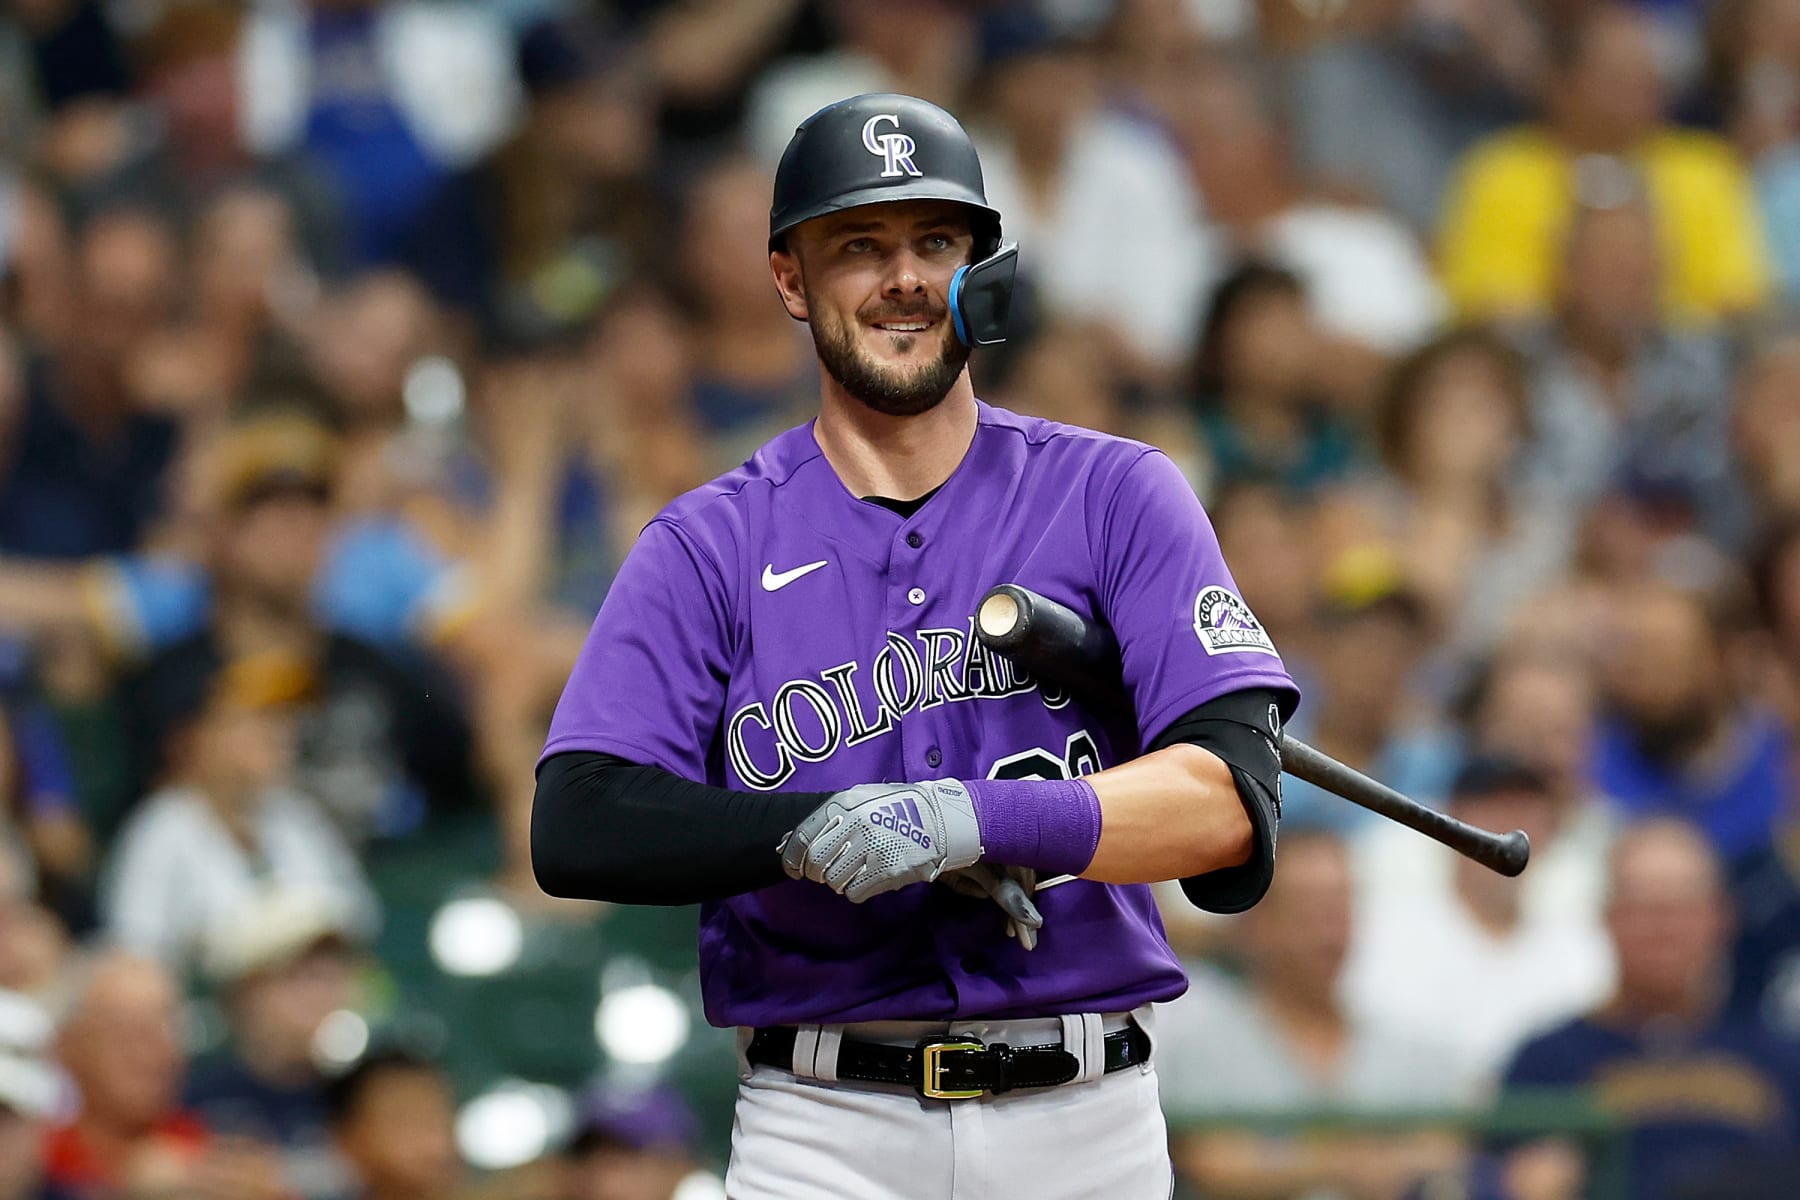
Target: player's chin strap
[{"x": 981, "y": 297}]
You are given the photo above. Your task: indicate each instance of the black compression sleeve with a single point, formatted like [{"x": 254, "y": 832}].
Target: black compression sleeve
[
  {"x": 1241, "y": 728},
  {"x": 606, "y": 828}
]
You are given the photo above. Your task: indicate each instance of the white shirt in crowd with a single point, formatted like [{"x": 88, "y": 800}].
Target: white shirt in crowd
[
  {"x": 1366, "y": 275},
  {"x": 1120, "y": 240},
  {"x": 177, "y": 874},
  {"x": 1219, "y": 1053},
  {"x": 1419, "y": 956}
]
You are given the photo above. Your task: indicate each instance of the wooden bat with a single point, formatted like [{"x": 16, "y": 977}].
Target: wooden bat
[{"x": 1060, "y": 646}]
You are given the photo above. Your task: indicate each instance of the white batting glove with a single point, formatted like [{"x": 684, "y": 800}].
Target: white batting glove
[{"x": 882, "y": 836}]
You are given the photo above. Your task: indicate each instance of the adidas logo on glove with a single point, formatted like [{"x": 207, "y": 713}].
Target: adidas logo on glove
[{"x": 903, "y": 818}]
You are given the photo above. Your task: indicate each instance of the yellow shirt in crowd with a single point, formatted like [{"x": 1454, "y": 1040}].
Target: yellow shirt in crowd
[{"x": 1507, "y": 211}]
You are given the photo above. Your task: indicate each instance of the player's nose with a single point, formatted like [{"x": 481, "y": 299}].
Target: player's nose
[{"x": 906, "y": 276}]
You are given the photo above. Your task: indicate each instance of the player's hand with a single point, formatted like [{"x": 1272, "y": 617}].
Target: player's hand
[
  {"x": 882, "y": 836},
  {"x": 1010, "y": 888}
]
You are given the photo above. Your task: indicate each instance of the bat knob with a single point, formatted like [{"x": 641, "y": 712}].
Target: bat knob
[
  {"x": 1000, "y": 614},
  {"x": 1512, "y": 853}
]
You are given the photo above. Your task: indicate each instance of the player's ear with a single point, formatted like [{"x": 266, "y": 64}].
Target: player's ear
[{"x": 790, "y": 282}]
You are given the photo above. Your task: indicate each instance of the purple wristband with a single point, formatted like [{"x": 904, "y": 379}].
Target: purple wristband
[{"x": 1050, "y": 825}]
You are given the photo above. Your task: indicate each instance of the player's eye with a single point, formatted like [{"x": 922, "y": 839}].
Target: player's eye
[
  {"x": 861, "y": 245},
  {"x": 937, "y": 242}
]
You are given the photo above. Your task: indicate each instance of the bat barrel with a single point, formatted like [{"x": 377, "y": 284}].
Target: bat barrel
[{"x": 1506, "y": 853}]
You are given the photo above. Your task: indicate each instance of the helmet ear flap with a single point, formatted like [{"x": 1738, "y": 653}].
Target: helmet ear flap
[{"x": 981, "y": 297}]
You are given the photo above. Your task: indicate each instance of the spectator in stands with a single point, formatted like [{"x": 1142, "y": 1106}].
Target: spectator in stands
[
  {"x": 1765, "y": 885},
  {"x": 1460, "y": 956},
  {"x": 1265, "y": 535},
  {"x": 81, "y": 465},
  {"x": 1365, "y": 273},
  {"x": 754, "y": 370},
  {"x": 1257, "y": 386},
  {"x": 283, "y": 963},
  {"x": 382, "y": 741},
  {"x": 927, "y": 49},
  {"x": 1063, "y": 373},
  {"x": 228, "y": 820},
  {"x": 1365, "y": 708},
  {"x": 1109, "y": 192},
  {"x": 1675, "y": 738},
  {"x": 1279, "y": 1042},
  {"x": 1452, "y": 425},
  {"x": 532, "y": 242},
  {"x": 1756, "y": 48},
  {"x": 1511, "y": 203},
  {"x": 631, "y": 1144},
  {"x": 1386, "y": 97},
  {"x": 391, "y": 1115},
  {"x": 238, "y": 343},
  {"x": 1765, "y": 428},
  {"x": 1534, "y": 707},
  {"x": 385, "y": 99},
  {"x": 1711, "y": 1102},
  {"x": 34, "y": 945},
  {"x": 83, "y": 78},
  {"x": 1538, "y": 707},
  {"x": 1620, "y": 399},
  {"x": 121, "y": 1047},
  {"x": 29, "y": 1092},
  {"x": 38, "y": 811}
]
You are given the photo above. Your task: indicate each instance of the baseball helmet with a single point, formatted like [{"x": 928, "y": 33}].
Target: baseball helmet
[{"x": 882, "y": 147}]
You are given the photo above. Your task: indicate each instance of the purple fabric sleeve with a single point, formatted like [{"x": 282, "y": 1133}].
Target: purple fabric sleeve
[{"x": 1050, "y": 825}]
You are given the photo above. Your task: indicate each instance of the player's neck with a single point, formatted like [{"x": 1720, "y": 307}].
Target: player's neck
[{"x": 898, "y": 457}]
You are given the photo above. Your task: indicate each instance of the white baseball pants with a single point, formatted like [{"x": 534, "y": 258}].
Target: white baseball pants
[{"x": 804, "y": 1136}]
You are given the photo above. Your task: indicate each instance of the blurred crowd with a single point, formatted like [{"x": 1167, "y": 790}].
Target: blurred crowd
[{"x": 346, "y": 344}]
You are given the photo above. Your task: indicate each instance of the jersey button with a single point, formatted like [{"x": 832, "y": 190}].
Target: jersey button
[
  {"x": 917, "y": 595},
  {"x": 914, "y": 540},
  {"x": 933, "y": 757}
]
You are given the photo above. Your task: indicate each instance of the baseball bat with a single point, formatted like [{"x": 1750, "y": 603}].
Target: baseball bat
[{"x": 1060, "y": 646}]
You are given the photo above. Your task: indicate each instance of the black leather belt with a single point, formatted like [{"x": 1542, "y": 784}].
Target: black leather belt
[{"x": 952, "y": 1067}]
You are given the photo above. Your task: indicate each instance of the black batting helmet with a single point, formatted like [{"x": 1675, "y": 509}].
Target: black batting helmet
[{"x": 883, "y": 147}]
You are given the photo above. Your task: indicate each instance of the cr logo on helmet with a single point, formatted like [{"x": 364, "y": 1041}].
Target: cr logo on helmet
[{"x": 895, "y": 148}]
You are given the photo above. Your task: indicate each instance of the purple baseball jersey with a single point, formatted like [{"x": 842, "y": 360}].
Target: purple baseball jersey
[{"x": 772, "y": 631}]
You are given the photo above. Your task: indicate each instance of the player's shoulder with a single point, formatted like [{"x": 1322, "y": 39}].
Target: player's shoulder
[
  {"x": 1054, "y": 439},
  {"x": 775, "y": 464}
]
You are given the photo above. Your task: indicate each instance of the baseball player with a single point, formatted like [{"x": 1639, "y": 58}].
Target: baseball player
[{"x": 783, "y": 714}]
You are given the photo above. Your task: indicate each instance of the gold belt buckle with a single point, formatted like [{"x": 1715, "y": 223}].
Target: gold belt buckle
[{"x": 934, "y": 1070}]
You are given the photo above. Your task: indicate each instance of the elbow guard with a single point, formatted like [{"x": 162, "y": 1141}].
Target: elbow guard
[{"x": 1242, "y": 728}]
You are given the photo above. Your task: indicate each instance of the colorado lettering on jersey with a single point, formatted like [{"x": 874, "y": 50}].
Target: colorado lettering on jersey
[{"x": 810, "y": 719}]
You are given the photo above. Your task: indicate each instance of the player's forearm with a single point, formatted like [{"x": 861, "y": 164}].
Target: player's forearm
[
  {"x": 606, "y": 829},
  {"x": 1172, "y": 813}
]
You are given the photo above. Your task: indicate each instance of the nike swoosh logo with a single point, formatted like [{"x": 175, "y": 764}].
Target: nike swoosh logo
[{"x": 774, "y": 581}]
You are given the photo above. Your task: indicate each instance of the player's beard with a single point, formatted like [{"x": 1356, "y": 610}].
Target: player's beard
[{"x": 897, "y": 391}]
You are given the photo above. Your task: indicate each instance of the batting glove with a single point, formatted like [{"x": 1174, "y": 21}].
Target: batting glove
[
  {"x": 882, "y": 836},
  {"x": 1010, "y": 888}
]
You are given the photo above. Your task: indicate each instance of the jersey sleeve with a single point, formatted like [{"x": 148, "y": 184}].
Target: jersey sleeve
[
  {"x": 143, "y": 602},
  {"x": 1185, "y": 635},
  {"x": 385, "y": 584},
  {"x": 649, "y": 685}
]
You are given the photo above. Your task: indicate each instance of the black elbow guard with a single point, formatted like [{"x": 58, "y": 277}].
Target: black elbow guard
[{"x": 1241, "y": 728}]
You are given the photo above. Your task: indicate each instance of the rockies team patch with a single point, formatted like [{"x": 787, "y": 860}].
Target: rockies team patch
[{"x": 1225, "y": 624}]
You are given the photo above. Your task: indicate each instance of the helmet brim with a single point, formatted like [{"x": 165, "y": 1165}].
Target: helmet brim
[{"x": 886, "y": 194}]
